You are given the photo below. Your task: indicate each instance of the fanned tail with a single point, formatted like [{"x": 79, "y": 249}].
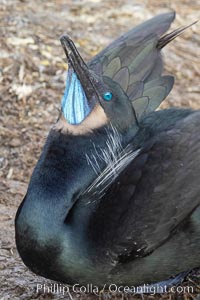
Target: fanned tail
[{"x": 135, "y": 62}]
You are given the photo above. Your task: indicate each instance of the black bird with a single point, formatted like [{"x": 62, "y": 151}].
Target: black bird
[{"x": 115, "y": 195}]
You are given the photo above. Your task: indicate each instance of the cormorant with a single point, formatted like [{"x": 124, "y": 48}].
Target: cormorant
[{"x": 115, "y": 195}]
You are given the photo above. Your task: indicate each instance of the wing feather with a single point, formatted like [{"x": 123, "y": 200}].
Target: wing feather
[
  {"x": 157, "y": 192},
  {"x": 134, "y": 59}
]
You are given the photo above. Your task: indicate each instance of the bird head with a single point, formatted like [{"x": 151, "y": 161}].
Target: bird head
[{"x": 91, "y": 101}]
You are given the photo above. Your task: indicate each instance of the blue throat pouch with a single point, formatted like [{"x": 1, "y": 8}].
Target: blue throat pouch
[{"x": 74, "y": 103}]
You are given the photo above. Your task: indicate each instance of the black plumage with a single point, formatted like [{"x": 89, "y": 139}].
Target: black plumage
[{"x": 115, "y": 198}]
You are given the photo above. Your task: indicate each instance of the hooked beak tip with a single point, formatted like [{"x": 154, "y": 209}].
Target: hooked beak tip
[{"x": 65, "y": 39}]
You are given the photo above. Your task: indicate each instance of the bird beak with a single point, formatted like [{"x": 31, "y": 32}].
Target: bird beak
[{"x": 80, "y": 94}]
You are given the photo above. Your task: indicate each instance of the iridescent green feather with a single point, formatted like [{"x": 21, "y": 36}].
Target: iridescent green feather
[{"x": 134, "y": 62}]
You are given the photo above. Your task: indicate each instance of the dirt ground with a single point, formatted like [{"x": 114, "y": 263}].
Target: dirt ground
[{"x": 32, "y": 74}]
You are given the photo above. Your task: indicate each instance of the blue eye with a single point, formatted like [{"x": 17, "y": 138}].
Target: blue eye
[{"x": 107, "y": 96}]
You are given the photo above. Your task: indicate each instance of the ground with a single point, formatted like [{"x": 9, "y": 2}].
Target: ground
[{"x": 32, "y": 76}]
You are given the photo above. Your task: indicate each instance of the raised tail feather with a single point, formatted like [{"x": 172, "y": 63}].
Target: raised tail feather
[{"x": 167, "y": 38}]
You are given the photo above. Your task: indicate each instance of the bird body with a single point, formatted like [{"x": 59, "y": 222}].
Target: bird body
[{"x": 114, "y": 197}]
